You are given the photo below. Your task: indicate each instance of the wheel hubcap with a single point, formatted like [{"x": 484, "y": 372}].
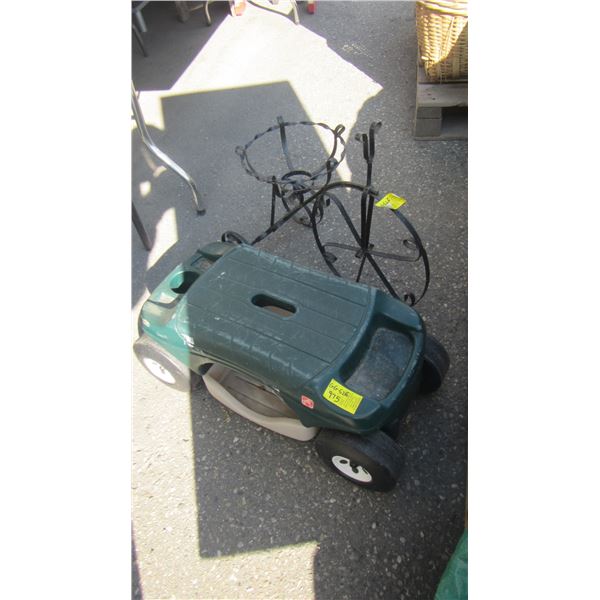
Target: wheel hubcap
[
  {"x": 351, "y": 469},
  {"x": 158, "y": 370}
]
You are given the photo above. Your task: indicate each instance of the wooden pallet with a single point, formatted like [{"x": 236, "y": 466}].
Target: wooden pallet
[{"x": 441, "y": 111}]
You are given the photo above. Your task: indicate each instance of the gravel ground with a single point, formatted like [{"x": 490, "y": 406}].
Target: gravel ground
[{"x": 220, "y": 507}]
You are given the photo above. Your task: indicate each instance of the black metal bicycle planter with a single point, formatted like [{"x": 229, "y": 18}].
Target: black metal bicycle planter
[{"x": 298, "y": 188}]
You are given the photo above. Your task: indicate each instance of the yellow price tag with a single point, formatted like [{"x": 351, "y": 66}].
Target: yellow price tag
[
  {"x": 391, "y": 201},
  {"x": 341, "y": 396}
]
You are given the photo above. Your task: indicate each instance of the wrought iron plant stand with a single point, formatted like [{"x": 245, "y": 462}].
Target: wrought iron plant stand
[{"x": 304, "y": 192}]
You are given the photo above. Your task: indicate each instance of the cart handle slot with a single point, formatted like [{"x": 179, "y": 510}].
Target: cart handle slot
[{"x": 275, "y": 305}]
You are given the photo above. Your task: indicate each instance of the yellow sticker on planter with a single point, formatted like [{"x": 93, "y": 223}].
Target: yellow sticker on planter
[
  {"x": 391, "y": 201},
  {"x": 341, "y": 396}
]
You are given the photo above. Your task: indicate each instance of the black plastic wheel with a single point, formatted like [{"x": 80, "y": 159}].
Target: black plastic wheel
[
  {"x": 392, "y": 429},
  {"x": 233, "y": 237},
  {"x": 373, "y": 461},
  {"x": 435, "y": 365},
  {"x": 140, "y": 325},
  {"x": 163, "y": 366}
]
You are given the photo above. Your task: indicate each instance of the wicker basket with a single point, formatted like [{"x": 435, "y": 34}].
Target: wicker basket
[{"x": 442, "y": 34}]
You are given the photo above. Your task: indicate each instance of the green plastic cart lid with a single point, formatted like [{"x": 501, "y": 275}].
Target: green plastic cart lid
[{"x": 273, "y": 317}]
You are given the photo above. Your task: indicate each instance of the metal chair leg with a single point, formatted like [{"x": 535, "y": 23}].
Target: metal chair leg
[
  {"x": 183, "y": 11},
  {"x": 139, "y": 226},
  {"x": 295, "y": 12},
  {"x": 140, "y": 41},
  {"x": 149, "y": 143}
]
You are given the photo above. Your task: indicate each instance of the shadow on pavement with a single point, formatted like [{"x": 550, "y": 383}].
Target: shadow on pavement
[
  {"x": 233, "y": 199},
  {"x": 161, "y": 68},
  {"x": 136, "y": 584}
]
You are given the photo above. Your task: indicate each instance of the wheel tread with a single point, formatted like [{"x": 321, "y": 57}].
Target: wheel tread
[
  {"x": 378, "y": 447},
  {"x": 186, "y": 380},
  {"x": 436, "y": 363}
]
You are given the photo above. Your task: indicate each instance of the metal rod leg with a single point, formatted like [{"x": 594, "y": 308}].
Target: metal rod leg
[
  {"x": 140, "y": 41},
  {"x": 177, "y": 169},
  {"x": 183, "y": 11},
  {"x": 139, "y": 226},
  {"x": 149, "y": 143},
  {"x": 140, "y": 21},
  {"x": 295, "y": 12}
]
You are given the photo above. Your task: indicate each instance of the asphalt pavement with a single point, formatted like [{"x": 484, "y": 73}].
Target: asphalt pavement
[{"x": 220, "y": 507}]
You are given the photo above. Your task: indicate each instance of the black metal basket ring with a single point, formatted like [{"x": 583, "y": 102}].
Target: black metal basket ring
[{"x": 326, "y": 168}]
